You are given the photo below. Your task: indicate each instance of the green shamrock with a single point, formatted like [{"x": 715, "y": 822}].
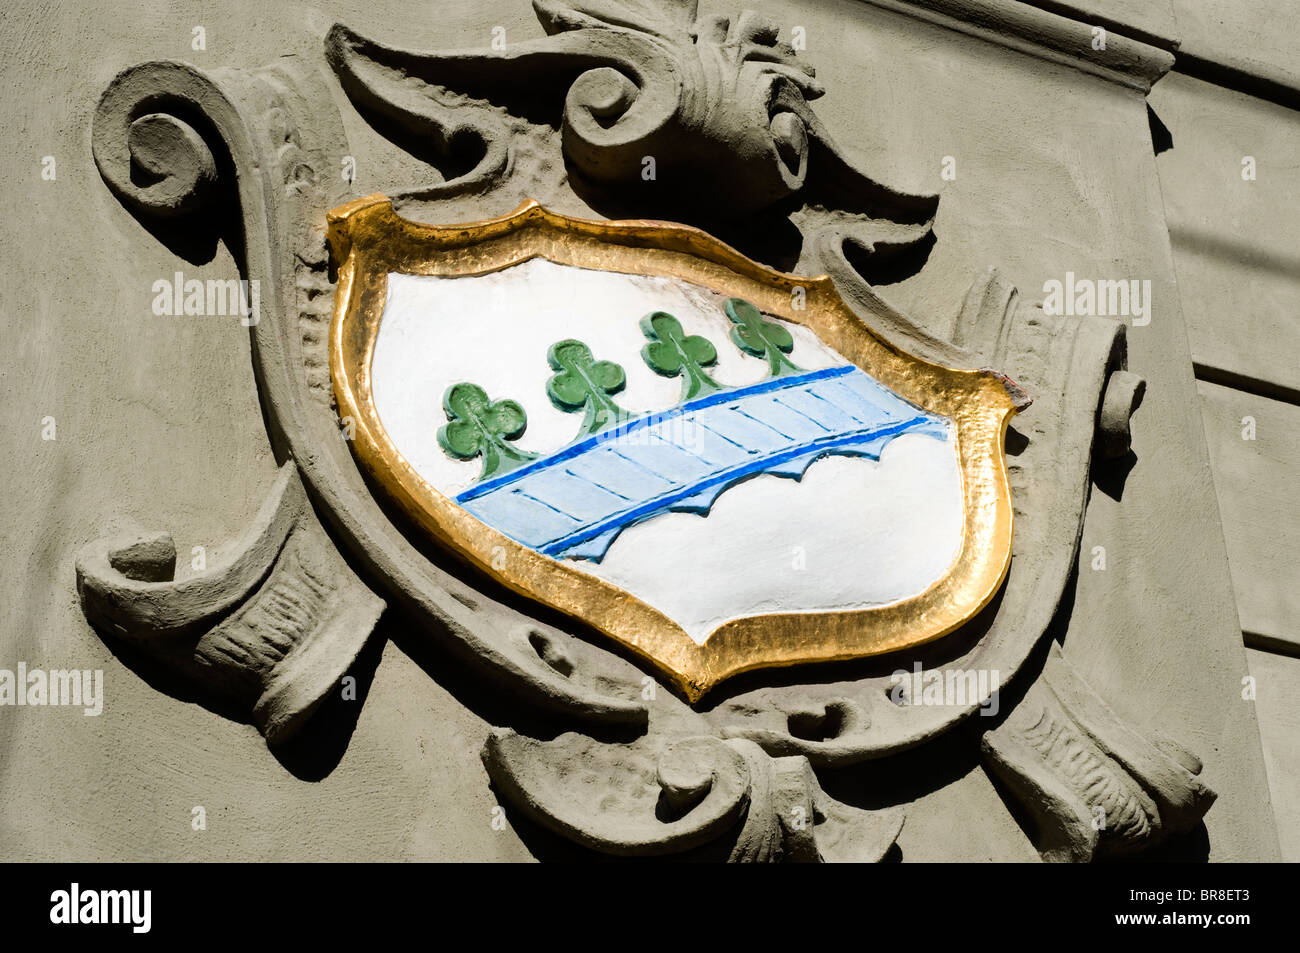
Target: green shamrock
[
  {"x": 756, "y": 335},
  {"x": 672, "y": 352},
  {"x": 583, "y": 382},
  {"x": 480, "y": 427}
]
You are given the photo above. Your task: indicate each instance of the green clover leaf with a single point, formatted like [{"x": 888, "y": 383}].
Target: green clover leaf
[
  {"x": 477, "y": 426},
  {"x": 672, "y": 352},
  {"x": 756, "y": 335},
  {"x": 585, "y": 383}
]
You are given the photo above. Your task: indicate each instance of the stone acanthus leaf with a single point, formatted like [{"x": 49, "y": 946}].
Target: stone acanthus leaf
[{"x": 1095, "y": 787}]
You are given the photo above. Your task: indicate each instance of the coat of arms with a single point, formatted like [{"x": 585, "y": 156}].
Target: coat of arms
[{"x": 599, "y": 415}]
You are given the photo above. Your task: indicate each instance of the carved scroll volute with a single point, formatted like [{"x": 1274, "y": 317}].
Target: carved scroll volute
[
  {"x": 697, "y": 99},
  {"x": 136, "y": 131},
  {"x": 663, "y": 115},
  {"x": 694, "y": 797},
  {"x": 1093, "y": 786}
]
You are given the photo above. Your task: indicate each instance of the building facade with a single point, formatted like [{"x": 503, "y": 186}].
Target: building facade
[{"x": 1083, "y": 212}]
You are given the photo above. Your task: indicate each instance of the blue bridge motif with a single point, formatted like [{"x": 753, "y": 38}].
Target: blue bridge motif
[{"x": 577, "y": 500}]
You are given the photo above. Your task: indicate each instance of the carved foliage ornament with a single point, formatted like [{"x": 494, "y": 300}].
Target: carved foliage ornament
[{"x": 604, "y": 417}]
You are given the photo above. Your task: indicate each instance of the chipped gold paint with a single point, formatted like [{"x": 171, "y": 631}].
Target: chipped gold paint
[{"x": 370, "y": 240}]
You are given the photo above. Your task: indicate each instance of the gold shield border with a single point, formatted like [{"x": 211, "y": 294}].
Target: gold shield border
[{"x": 370, "y": 240}]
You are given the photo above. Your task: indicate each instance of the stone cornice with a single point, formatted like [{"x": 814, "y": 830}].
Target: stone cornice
[{"x": 1046, "y": 35}]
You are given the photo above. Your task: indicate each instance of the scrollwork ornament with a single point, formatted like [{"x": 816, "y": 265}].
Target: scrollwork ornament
[{"x": 596, "y": 748}]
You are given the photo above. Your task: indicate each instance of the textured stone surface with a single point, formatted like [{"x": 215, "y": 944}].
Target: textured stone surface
[
  {"x": 1234, "y": 238},
  {"x": 1256, "y": 463}
]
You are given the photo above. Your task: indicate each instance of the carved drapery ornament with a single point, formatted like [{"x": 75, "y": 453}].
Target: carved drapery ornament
[{"x": 721, "y": 106}]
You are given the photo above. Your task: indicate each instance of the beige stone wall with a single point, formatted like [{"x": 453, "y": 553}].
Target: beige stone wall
[{"x": 1229, "y": 178}]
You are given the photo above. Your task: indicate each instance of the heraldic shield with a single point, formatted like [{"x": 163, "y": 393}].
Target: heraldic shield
[{"x": 715, "y": 464}]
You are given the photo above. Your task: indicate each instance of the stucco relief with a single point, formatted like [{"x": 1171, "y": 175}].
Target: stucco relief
[{"x": 618, "y": 761}]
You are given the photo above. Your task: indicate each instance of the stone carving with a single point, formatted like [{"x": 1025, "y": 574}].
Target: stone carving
[
  {"x": 1065, "y": 363},
  {"x": 589, "y": 528},
  {"x": 636, "y": 110},
  {"x": 695, "y": 796},
  {"x": 266, "y": 633},
  {"x": 721, "y": 106},
  {"x": 1093, "y": 785},
  {"x": 274, "y": 129}
]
